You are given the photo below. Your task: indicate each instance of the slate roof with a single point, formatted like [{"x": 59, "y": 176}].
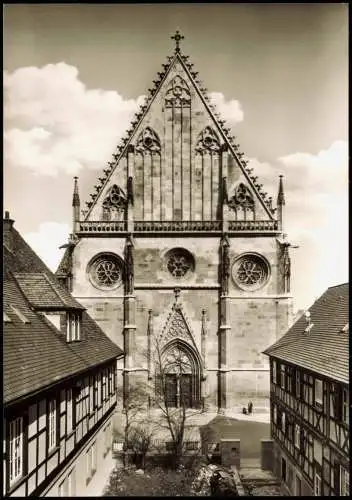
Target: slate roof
[
  {"x": 44, "y": 292},
  {"x": 324, "y": 349},
  {"x": 35, "y": 353}
]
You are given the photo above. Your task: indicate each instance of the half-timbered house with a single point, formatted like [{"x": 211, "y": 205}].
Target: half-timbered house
[
  {"x": 59, "y": 383},
  {"x": 310, "y": 399}
]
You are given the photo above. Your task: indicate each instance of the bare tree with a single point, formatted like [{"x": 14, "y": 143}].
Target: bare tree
[
  {"x": 140, "y": 440},
  {"x": 137, "y": 436},
  {"x": 173, "y": 416}
]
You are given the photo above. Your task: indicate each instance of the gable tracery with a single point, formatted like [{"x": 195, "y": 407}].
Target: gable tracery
[
  {"x": 208, "y": 141},
  {"x": 148, "y": 142},
  {"x": 178, "y": 94},
  {"x": 176, "y": 327},
  {"x": 241, "y": 199},
  {"x": 114, "y": 204}
]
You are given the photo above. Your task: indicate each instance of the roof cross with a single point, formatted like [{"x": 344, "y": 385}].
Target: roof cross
[{"x": 177, "y": 37}]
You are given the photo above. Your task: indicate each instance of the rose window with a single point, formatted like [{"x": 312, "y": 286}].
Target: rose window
[
  {"x": 180, "y": 262},
  {"x": 106, "y": 271},
  {"x": 250, "y": 271}
]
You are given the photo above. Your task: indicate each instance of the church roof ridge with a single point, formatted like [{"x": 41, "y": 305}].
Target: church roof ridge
[{"x": 229, "y": 139}]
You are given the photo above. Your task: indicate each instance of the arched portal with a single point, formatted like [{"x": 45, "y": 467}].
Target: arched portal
[{"x": 181, "y": 371}]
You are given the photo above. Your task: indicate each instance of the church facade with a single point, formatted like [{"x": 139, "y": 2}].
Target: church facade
[{"x": 180, "y": 248}]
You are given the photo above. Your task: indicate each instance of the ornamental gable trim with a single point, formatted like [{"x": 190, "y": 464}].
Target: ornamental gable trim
[
  {"x": 176, "y": 108},
  {"x": 177, "y": 326}
]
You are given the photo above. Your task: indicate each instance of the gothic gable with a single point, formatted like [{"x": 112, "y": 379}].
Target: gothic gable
[
  {"x": 176, "y": 327},
  {"x": 176, "y": 155}
]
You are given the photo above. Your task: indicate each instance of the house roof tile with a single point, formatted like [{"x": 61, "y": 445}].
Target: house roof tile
[
  {"x": 35, "y": 353},
  {"x": 324, "y": 349},
  {"x": 44, "y": 292}
]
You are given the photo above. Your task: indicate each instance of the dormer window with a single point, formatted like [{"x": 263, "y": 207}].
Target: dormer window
[{"x": 73, "y": 321}]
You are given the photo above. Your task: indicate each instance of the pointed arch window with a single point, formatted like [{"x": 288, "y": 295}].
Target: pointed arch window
[
  {"x": 208, "y": 141},
  {"x": 178, "y": 94}
]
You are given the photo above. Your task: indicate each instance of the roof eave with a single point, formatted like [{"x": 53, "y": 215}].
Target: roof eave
[{"x": 59, "y": 381}]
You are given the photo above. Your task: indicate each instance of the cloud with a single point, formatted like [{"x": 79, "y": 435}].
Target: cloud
[
  {"x": 55, "y": 124},
  {"x": 316, "y": 215},
  {"x": 47, "y": 240},
  {"x": 230, "y": 111}
]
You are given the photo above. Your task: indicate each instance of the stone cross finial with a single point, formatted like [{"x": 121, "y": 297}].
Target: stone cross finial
[{"x": 177, "y": 37}]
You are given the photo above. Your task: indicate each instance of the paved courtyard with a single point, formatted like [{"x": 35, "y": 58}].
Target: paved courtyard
[{"x": 250, "y": 429}]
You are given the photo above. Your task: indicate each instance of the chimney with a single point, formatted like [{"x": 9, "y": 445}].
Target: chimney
[
  {"x": 7, "y": 230},
  {"x": 309, "y": 324}
]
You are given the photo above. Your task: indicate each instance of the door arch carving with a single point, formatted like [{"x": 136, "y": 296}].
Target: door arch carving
[{"x": 181, "y": 369}]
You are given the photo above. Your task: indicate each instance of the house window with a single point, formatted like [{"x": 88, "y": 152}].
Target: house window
[
  {"x": 52, "y": 424},
  {"x": 113, "y": 374},
  {"x": 69, "y": 415},
  {"x": 283, "y": 376},
  {"x": 104, "y": 385},
  {"x": 73, "y": 327},
  {"x": 275, "y": 415},
  {"x": 91, "y": 394},
  {"x": 318, "y": 392},
  {"x": 274, "y": 371},
  {"x": 344, "y": 482},
  {"x": 91, "y": 464},
  {"x": 110, "y": 374},
  {"x": 283, "y": 422},
  {"x": 79, "y": 402},
  {"x": 67, "y": 488},
  {"x": 317, "y": 485},
  {"x": 99, "y": 388},
  {"x": 283, "y": 470},
  {"x": 16, "y": 449},
  {"x": 297, "y": 436},
  {"x": 95, "y": 391},
  {"x": 298, "y": 384},
  {"x": 345, "y": 406}
]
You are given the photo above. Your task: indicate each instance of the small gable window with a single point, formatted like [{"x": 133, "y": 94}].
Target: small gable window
[{"x": 73, "y": 331}]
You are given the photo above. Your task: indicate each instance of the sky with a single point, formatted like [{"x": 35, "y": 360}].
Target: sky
[{"x": 75, "y": 74}]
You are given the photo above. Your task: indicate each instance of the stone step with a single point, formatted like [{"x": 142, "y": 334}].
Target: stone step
[{"x": 250, "y": 463}]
